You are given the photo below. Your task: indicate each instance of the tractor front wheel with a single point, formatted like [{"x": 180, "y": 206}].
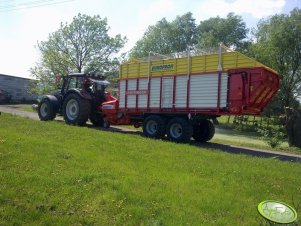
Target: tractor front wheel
[
  {"x": 76, "y": 110},
  {"x": 46, "y": 110}
]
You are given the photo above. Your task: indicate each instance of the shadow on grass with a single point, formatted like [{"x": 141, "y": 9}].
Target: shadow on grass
[
  {"x": 220, "y": 147},
  {"x": 115, "y": 129},
  {"x": 249, "y": 151}
]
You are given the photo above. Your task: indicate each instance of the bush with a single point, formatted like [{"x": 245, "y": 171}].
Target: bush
[{"x": 272, "y": 136}]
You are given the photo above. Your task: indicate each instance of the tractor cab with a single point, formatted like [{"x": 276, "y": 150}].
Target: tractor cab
[
  {"x": 86, "y": 84},
  {"x": 78, "y": 100}
]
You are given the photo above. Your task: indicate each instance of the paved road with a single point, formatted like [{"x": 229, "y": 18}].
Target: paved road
[{"x": 13, "y": 109}]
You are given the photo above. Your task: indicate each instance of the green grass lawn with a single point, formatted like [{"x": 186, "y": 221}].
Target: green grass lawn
[
  {"x": 228, "y": 136},
  {"x": 55, "y": 174}
]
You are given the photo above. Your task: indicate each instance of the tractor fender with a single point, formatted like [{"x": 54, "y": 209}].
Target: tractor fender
[
  {"x": 84, "y": 95},
  {"x": 53, "y": 100}
]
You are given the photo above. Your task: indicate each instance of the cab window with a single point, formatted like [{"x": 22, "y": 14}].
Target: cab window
[{"x": 73, "y": 83}]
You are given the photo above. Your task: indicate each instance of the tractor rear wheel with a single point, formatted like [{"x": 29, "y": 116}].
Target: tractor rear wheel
[
  {"x": 46, "y": 110},
  {"x": 203, "y": 131},
  {"x": 154, "y": 126},
  {"x": 76, "y": 110},
  {"x": 179, "y": 130}
]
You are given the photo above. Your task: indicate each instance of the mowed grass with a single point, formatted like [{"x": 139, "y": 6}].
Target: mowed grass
[
  {"x": 228, "y": 136},
  {"x": 55, "y": 174}
]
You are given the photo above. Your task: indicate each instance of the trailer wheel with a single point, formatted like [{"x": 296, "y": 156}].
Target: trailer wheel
[
  {"x": 203, "y": 131},
  {"x": 76, "y": 110},
  {"x": 154, "y": 126},
  {"x": 179, "y": 130},
  {"x": 46, "y": 110}
]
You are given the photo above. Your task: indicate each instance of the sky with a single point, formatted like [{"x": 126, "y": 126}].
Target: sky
[{"x": 24, "y": 22}]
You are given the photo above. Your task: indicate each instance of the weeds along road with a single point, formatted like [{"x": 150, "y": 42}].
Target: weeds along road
[{"x": 13, "y": 109}]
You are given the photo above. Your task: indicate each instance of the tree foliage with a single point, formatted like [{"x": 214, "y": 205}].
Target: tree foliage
[
  {"x": 231, "y": 31},
  {"x": 81, "y": 46},
  {"x": 278, "y": 45},
  {"x": 167, "y": 37}
]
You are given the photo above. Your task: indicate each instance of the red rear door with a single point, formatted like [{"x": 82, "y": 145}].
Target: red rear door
[
  {"x": 236, "y": 87},
  {"x": 236, "y": 92}
]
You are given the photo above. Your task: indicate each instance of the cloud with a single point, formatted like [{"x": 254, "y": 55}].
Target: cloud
[
  {"x": 149, "y": 15},
  {"x": 256, "y": 8},
  {"x": 31, "y": 26},
  {"x": 156, "y": 10}
]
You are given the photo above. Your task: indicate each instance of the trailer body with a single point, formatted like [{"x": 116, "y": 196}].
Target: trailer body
[
  {"x": 193, "y": 88},
  {"x": 238, "y": 91}
]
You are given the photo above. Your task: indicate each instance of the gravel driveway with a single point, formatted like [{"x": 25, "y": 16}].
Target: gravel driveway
[{"x": 13, "y": 109}]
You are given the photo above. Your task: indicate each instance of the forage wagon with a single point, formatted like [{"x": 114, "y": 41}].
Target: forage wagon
[{"x": 179, "y": 95}]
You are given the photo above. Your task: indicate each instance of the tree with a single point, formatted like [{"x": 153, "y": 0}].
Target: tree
[
  {"x": 46, "y": 81},
  {"x": 154, "y": 39},
  {"x": 81, "y": 46},
  {"x": 183, "y": 32},
  {"x": 176, "y": 36},
  {"x": 167, "y": 37},
  {"x": 231, "y": 31},
  {"x": 278, "y": 45}
]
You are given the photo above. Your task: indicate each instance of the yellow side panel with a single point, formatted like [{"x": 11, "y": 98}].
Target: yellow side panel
[
  {"x": 133, "y": 70},
  {"x": 123, "y": 71},
  {"x": 182, "y": 66},
  {"x": 211, "y": 62},
  {"x": 198, "y": 64},
  {"x": 143, "y": 69},
  {"x": 229, "y": 60}
]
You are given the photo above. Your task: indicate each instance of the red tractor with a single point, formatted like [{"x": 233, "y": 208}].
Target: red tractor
[{"x": 78, "y": 100}]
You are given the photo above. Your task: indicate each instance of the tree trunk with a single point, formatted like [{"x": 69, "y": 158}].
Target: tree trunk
[
  {"x": 293, "y": 127},
  {"x": 228, "y": 120}
]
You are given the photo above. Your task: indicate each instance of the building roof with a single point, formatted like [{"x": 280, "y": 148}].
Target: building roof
[{"x": 12, "y": 76}]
